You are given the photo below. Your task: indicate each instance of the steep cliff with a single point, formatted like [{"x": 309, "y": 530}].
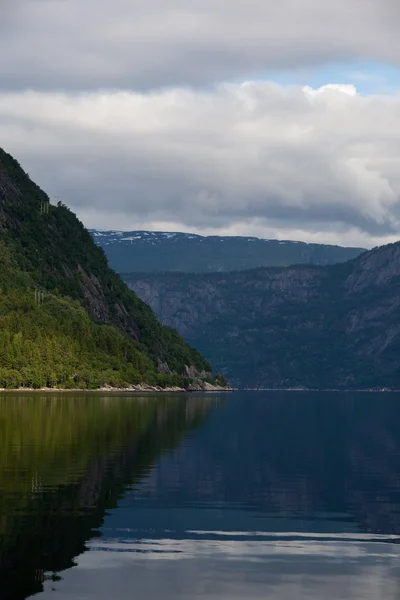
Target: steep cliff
[
  {"x": 65, "y": 317},
  {"x": 319, "y": 327}
]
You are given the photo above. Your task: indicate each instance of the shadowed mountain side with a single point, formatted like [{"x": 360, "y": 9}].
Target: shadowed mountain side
[
  {"x": 303, "y": 326},
  {"x": 81, "y": 457}
]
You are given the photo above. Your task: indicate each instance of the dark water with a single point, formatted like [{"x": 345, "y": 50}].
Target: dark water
[{"x": 245, "y": 496}]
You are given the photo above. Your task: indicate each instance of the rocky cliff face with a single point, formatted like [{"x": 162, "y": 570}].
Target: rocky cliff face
[
  {"x": 319, "y": 327},
  {"x": 191, "y": 303}
]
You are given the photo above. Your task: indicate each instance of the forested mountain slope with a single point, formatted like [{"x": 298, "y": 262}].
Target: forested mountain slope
[
  {"x": 66, "y": 319},
  {"x": 158, "y": 251},
  {"x": 305, "y": 326}
]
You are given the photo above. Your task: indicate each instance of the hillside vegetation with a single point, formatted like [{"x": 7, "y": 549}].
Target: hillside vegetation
[{"x": 66, "y": 319}]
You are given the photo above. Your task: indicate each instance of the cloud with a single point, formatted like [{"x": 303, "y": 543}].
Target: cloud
[
  {"x": 131, "y": 44},
  {"x": 118, "y": 108},
  {"x": 251, "y": 158}
]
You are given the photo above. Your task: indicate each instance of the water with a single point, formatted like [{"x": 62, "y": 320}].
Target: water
[{"x": 245, "y": 496}]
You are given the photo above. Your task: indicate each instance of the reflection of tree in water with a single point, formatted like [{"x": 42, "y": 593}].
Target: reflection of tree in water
[{"x": 64, "y": 462}]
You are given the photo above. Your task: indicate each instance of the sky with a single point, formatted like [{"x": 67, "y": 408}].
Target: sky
[{"x": 235, "y": 117}]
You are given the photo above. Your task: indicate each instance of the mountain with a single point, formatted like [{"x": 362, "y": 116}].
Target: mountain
[
  {"x": 158, "y": 251},
  {"x": 320, "y": 327},
  {"x": 66, "y": 319}
]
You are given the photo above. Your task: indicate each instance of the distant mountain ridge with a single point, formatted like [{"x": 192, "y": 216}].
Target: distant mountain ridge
[
  {"x": 322, "y": 327},
  {"x": 160, "y": 251}
]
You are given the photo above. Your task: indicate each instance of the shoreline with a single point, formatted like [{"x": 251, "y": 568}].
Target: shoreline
[
  {"x": 137, "y": 389},
  {"x": 148, "y": 389},
  {"x": 344, "y": 390}
]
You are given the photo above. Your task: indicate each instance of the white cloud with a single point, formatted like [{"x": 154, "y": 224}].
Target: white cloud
[
  {"x": 241, "y": 158},
  {"x": 345, "y": 88},
  {"x": 322, "y": 165}
]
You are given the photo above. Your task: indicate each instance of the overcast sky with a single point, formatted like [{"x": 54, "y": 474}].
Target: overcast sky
[{"x": 276, "y": 119}]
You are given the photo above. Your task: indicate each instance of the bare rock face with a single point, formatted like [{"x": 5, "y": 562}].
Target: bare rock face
[
  {"x": 379, "y": 267},
  {"x": 306, "y": 326}
]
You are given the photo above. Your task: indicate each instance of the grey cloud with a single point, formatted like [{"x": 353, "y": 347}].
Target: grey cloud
[
  {"x": 130, "y": 44},
  {"x": 257, "y": 156}
]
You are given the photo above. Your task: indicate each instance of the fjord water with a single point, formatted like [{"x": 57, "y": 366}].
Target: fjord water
[{"x": 245, "y": 496}]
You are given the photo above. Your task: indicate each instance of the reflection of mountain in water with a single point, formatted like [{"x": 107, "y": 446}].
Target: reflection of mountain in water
[
  {"x": 306, "y": 462},
  {"x": 64, "y": 461}
]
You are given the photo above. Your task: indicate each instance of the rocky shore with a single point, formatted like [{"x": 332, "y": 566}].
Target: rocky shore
[{"x": 204, "y": 387}]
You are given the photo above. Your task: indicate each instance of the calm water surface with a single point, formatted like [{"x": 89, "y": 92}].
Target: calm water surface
[{"x": 246, "y": 496}]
